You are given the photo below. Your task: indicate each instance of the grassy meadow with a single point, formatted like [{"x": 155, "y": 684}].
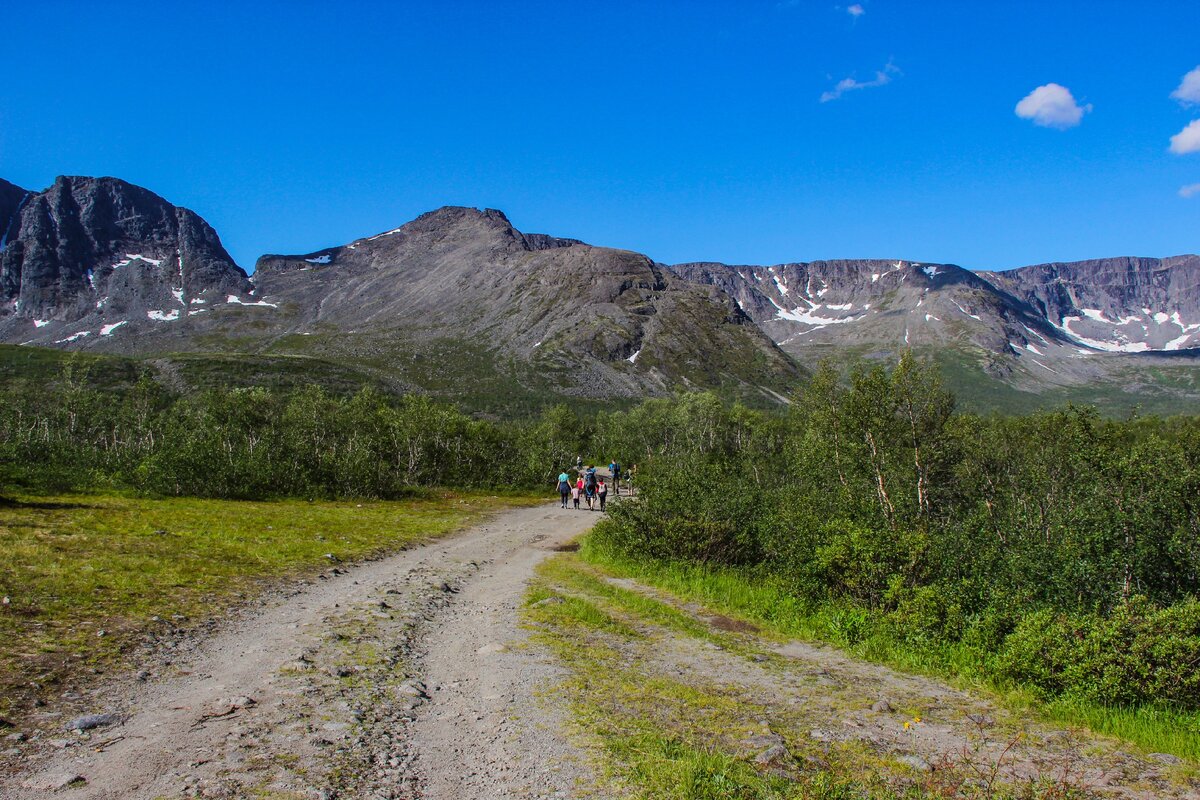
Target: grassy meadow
[{"x": 86, "y": 576}]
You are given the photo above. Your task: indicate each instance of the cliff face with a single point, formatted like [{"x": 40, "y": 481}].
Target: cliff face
[
  {"x": 11, "y": 198},
  {"x": 100, "y": 250},
  {"x": 1114, "y": 304}
]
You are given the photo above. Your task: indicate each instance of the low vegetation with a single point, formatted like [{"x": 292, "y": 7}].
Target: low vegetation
[
  {"x": 1056, "y": 554},
  {"x": 84, "y": 576},
  {"x": 679, "y": 707}
]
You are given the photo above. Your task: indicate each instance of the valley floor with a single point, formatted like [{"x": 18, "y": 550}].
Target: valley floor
[{"x": 495, "y": 663}]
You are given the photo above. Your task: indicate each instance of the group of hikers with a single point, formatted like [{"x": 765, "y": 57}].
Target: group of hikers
[{"x": 589, "y": 486}]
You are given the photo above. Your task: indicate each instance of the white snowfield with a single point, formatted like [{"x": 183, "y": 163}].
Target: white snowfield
[
  {"x": 1124, "y": 341},
  {"x": 131, "y": 257},
  {"x": 810, "y": 316},
  {"x": 381, "y": 235},
  {"x": 163, "y": 316},
  {"x": 73, "y": 337},
  {"x": 233, "y": 299},
  {"x": 107, "y": 330}
]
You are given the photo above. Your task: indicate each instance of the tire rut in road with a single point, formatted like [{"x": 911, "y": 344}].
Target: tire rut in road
[{"x": 324, "y": 692}]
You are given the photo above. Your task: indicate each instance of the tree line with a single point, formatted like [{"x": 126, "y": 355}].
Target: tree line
[{"x": 1059, "y": 549}]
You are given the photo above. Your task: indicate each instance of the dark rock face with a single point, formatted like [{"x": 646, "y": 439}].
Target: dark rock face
[
  {"x": 11, "y": 197},
  {"x": 1114, "y": 304},
  {"x": 98, "y": 249}
]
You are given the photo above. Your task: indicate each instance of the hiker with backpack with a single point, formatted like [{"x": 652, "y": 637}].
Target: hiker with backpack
[
  {"x": 577, "y": 490},
  {"x": 615, "y": 469},
  {"x": 589, "y": 484},
  {"x": 564, "y": 487},
  {"x": 602, "y": 493}
]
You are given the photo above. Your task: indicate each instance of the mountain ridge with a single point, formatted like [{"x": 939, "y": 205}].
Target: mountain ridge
[{"x": 103, "y": 265}]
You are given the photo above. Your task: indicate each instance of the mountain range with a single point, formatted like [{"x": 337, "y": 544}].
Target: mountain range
[{"x": 459, "y": 302}]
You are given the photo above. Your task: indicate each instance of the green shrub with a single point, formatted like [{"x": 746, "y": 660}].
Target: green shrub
[{"x": 1137, "y": 654}]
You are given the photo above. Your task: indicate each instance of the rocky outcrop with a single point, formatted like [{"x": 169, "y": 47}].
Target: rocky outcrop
[
  {"x": 1114, "y": 304},
  {"x": 11, "y": 198},
  {"x": 100, "y": 251},
  {"x": 1117, "y": 305}
]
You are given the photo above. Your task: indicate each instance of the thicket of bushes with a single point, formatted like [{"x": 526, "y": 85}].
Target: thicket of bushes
[
  {"x": 258, "y": 443},
  {"x": 1061, "y": 549}
]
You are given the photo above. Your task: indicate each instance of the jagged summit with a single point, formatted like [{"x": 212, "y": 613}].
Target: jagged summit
[{"x": 88, "y": 254}]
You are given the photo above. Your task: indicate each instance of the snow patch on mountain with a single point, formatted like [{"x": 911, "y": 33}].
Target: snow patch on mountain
[{"x": 233, "y": 299}]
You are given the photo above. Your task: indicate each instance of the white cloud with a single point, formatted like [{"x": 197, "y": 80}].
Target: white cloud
[
  {"x": 1191, "y": 190},
  {"x": 1052, "y": 106},
  {"x": 882, "y": 78},
  {"x": 1187, "y": 140},
  {"x": 1188, "y": 92},
  {"x": 856, "y": 10}
]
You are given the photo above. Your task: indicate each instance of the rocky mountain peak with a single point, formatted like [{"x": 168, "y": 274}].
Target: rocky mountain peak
[
  {"x": 88, "y": 249},
  {"x": 465, "y": 222}
]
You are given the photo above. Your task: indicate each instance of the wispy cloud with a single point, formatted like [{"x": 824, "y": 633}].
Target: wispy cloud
[
  {"x": 882, "y": 78},
  {"x": 1187, "y": 140},
  {"x": 1191, "y": 190},
  {"x": 1052, "y": 106},
  {"x": 856, "y": 10},
  {"x": 1188, "y": 92}
]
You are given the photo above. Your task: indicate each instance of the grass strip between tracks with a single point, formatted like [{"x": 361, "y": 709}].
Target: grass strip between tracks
[
  {"x": 771, "y": 607},
  {"x": 681, "y": 736}
]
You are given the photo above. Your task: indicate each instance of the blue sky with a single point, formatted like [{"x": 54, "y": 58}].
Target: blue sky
[{"x": 687, "y": 130}]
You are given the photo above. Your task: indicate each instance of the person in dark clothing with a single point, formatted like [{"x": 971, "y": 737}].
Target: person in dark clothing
[
  {"x": 602, "y": 493},
  {"x": 615, "y": 468},
  {"x": 589, "y": 484}
]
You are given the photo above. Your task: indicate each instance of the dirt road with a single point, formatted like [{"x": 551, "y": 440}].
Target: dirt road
[{"x": 400, "y": 678}]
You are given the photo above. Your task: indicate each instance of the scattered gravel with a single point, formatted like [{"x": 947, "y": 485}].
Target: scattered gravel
[{"x": 397, "y": 678}]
